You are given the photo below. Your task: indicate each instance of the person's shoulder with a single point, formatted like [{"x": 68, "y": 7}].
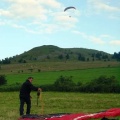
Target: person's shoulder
[{"x": 26, "y": 82}]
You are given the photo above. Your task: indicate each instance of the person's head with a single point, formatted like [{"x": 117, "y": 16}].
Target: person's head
[{"x": 30, "y": 79}]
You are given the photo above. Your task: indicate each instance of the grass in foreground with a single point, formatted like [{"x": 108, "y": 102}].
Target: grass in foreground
[{"x": 57, "y": 102}]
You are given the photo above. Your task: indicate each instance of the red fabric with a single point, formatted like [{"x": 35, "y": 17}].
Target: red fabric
[
  {"x": 66, "y": 117},
  {"x": 113, "y": 112}
]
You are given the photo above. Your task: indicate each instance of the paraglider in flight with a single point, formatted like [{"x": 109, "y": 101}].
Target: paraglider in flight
[{"x": 69, "y": 8}]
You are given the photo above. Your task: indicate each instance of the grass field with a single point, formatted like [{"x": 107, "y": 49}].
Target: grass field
[
  {"x": 57, "y": 102},
  {"x": 48, "y": 77},
  {"x": 50, "y": 71},
  {"x": 54, "y": 66}
]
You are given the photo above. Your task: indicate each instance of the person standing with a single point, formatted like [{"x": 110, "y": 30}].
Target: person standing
[{"x": 24, "y": 95}]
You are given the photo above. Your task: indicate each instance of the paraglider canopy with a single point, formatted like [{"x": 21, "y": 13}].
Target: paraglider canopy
[{"x": 71, "y": 7}]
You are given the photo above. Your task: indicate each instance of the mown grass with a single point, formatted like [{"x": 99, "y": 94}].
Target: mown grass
[
  {"x": 57, "y": 102},
  {"x": 49, "y": 77}
]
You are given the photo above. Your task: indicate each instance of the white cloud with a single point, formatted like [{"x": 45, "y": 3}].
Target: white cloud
[
  {"x": 115, "y": 42},
  {"x": 27, "y": 9},
  {"x": 100, "y": 6},
  {"x": 81, "y": 34},
  {"x": 5, "y": 13},
  {"x": 39, "y": 14},
  {"x": 100, "y": 40},
  {"x": 32, "y": 8},
  {"x": 65, "y": 21},
  {"x": 51, "y": 3},
  {"x": 96, "y": 40},
  {"x": 47, "y": 29},
  {"x": 105, "y": 36},
  {"x": 93, "y": 39}
]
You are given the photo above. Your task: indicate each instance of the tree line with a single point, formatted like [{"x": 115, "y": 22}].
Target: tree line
[
  {"x": 116, "y": 56},
  {"x": 102, "y": 84},
  {"x": 67, "y": 56}
]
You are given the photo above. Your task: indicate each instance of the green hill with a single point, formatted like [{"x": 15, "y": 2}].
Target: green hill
[{"x": 54, "y": 53}]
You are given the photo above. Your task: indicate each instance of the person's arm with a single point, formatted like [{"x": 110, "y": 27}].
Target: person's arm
[
  {"x": 35, "y": 88},
  {"x": 32, "y": 87}
]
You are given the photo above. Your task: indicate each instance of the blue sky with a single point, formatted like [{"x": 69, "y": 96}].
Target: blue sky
[{"x": 25, "y": 24}]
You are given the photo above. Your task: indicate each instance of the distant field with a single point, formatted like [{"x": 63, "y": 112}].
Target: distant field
[
  {"x": 50, "y": 71},
  {"x": 57, "y": 102},
  {"x": 54, "y": 66},
  {"x": 48, "y": 77}
]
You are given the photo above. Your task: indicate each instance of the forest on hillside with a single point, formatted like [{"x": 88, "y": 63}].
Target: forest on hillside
[{"x": 56, "y": 54}]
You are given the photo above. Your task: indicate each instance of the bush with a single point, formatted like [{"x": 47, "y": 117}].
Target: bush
[
  {"x": 47, "y": 87},
  {"x": 3, "y": 80},
  {"x": 64, "y": 84},
  {"x": 10, "y": 88},
  {"x": 103, "y": 84}
]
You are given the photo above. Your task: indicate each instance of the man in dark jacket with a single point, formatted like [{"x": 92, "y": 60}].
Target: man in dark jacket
[{"x": 25, "y": 95}]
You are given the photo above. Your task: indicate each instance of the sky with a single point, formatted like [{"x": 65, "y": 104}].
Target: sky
[{"x": 26, "y": 24}]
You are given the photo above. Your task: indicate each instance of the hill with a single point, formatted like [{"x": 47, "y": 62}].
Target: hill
[{"x": 54, "y": 53}]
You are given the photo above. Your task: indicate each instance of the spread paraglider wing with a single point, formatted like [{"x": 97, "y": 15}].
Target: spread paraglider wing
[{"x": 69, "y": 8}]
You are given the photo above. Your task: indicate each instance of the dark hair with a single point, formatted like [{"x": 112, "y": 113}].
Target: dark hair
[{"x": 30, "y": 78}]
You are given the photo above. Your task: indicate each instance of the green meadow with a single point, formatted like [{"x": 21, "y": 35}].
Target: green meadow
[
  {"x": 48, "y": 77},
  {"x": 57, "y": 102},
  {"x": 48, "y": 72}
]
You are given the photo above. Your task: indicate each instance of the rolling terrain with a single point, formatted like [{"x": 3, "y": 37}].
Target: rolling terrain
[
  {"x": 50, "y": 53},
  {"x": 51, "y": 62}
]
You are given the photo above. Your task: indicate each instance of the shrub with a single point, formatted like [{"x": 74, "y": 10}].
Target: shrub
[
  {"x": 103, "y": 84},
  {"x": 10, "y": 88},
  {"x": 47, "y": 87},
  {"x": 2, "y": 80},
  {"x": 64, "y": 84}
]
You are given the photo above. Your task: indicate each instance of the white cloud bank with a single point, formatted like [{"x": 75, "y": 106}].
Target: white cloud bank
[
  {"x": 115, "y": 42},
  {"x": 100, "y": 40},
  {"x": 46, "y": 13},
  {"x": 93, "y": 39},
  {"x": 103, "y": 7}
]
